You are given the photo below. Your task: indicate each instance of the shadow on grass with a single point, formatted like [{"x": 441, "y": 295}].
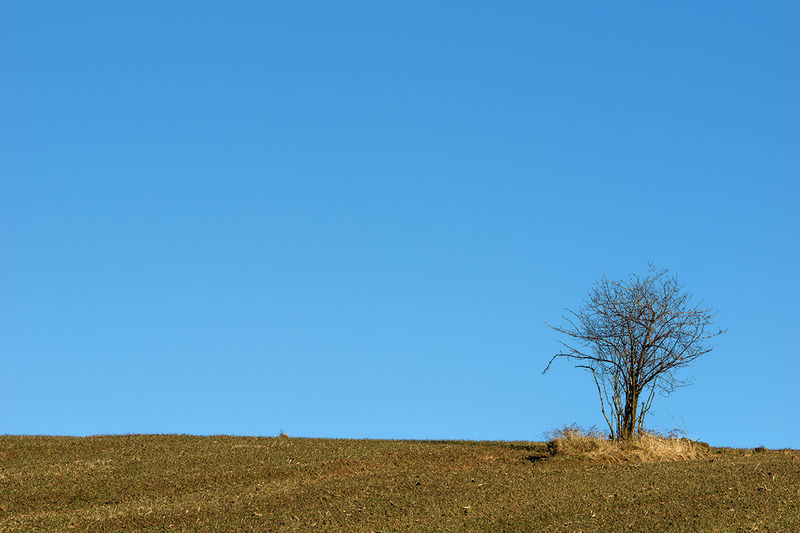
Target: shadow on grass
[{"x": 538, "y": 458}]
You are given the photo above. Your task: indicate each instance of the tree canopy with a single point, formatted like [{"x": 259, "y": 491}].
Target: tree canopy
[{"x": 632, "y": 336}]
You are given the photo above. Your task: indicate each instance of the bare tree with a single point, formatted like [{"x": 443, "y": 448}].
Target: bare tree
[{"x": 632, "y": 336}]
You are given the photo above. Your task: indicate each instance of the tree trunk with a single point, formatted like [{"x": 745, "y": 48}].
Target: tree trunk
[{"x": 629, "y": 416}]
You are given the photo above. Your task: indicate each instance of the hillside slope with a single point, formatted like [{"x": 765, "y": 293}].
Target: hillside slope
[{"x": 287, "y": 484}]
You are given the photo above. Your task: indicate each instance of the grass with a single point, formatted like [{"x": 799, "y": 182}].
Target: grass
[
  {"x": 572, "y": 441},
  {"x": 178, "y": 482}
]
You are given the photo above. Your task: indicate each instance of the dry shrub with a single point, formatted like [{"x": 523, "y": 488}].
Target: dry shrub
[{"x": 591, "y": 444}]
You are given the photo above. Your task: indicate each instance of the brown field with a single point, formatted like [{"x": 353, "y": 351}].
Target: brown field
[{"x": 136, "y": 482}]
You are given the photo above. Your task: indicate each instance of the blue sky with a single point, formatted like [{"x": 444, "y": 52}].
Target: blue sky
[{"x": 350, "y": 219}]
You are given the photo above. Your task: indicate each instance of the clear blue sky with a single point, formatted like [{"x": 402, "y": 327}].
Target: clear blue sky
[{"x": 349, "y": 219}]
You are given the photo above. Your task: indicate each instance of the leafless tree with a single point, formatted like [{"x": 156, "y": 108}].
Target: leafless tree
[{"x": 632, "y": 336}]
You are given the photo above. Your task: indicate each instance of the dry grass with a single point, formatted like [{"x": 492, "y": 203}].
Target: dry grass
[
  {"x": 573, "y": 441},
  {"x": 220, "y": 483}
]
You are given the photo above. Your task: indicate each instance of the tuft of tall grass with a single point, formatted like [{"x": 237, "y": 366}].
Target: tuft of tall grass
[{"x": 647, "y": 447}]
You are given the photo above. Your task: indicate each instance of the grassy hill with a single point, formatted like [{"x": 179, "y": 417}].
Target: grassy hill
[{"x": 286, "y": 484}]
